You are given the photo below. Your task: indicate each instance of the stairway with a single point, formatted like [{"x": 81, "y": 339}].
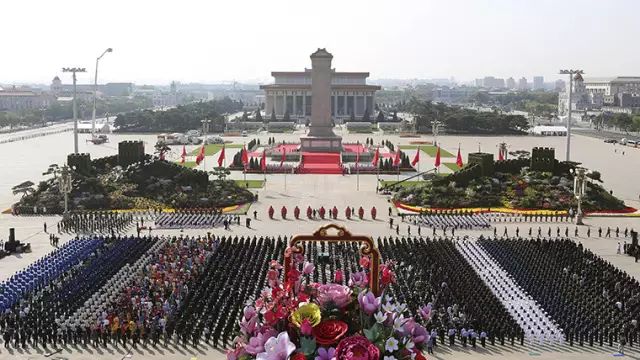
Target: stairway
[
  {"x": 320, "y": 163},
  {"x": 532, "y": 319}
]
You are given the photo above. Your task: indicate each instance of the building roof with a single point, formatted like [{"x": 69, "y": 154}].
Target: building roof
[
  {"x": 308, "y": 87},
  {"x": 322, "y": 53},
  {"x": 17, "y": 93},
  {"x": 308, "y": 72}
]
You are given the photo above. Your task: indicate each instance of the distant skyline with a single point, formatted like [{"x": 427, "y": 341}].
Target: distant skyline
[{"x": 156, "y": 42}]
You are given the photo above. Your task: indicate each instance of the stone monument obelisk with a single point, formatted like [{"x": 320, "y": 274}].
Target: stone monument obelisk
[{"x": 321, "y": 137}]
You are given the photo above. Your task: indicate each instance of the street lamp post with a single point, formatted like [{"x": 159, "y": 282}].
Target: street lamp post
[
  {"x": 65, "y": 186},
  {"x": 205, "y": 130},
  {"x": 95, "y": 92},
  {"x": 579, "y": 187},
  {"x": 571, "y": 73},
  {"x": 75, "y": 107}
]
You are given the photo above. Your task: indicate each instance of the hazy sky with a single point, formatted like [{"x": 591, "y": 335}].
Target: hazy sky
[{"x": 216, "y": 40}]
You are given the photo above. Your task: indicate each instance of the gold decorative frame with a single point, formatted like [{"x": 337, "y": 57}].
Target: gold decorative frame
[{"x": 343, "y": 235}]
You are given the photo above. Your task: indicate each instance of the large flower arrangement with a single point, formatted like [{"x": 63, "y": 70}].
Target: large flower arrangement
[{"x": 310, "y": 321}]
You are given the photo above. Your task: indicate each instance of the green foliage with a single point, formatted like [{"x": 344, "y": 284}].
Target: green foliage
[
  {"x": 179, "y": 119},
  {"x": 259, "y": 116},
  {"x": 380, "y": 117},
  {"x": 465, "y": 121},
  {"x": 273, "y": 115}
]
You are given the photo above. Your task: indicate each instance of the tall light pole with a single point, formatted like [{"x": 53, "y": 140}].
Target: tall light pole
[
  {"x": 205, "y": 129},
  {"x": 75, "y": 107},
  {"x": 95, "y": 92},
  {"x": 579, "y": 189},
  {"x": 571, "y": 73}
]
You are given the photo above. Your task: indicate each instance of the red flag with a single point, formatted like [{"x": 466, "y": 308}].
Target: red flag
[
  {"x": 416, "y": 158},
  {"x": 263, "y": 161},
  {"x": 500, "y": 155},
  {"x": 221, "y": 157},
  {"x": 284, "y": 156},
  {"x": 183, "y": 157},
  {"x": 438, "y": 157},
  {"x": 459, "y": 158},
  {"x": 200, "y": 156},
  {"x": 376, "y": 157},
  {"x": 245, "y": 157},
  {"x": 396, "y": 159}
]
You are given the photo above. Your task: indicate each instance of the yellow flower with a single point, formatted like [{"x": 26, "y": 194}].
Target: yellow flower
[{"x": 308, "y": 311}]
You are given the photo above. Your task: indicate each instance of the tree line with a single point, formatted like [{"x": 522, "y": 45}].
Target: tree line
[
  {"x": 181, "y": 118},
  {"x": 455, "y": 119}
]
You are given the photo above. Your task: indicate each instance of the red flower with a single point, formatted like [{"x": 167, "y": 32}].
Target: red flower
[
  {"x": 364, "y": 262},
  {"x": 357, "y": 347},
  {"x": 330, "y": 332},
  {"x": 419, "y": 355},
  {"x": 298, "y": 356}
]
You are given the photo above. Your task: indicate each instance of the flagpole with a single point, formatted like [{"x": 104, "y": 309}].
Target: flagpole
[
  {"x": 358, "y": 171},
  {"x": 244, "y": 168}
]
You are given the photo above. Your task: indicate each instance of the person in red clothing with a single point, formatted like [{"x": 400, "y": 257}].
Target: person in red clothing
[
  {"x": 271, "y": 212},
  {"x": 347, "y": 213},
  {"x": 283, "y": 212},
  {"x": 334, "y": 212},
  {"x": 360, "y": 212},
  {"x": 309, "y": 212},
  {"x": 322, "y": 212},
  {"x": 296, "y": 212},
  {"x": 374, "y": 212}
]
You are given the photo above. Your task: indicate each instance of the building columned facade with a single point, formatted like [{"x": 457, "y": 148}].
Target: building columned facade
[{"x": 291, "y": 93}]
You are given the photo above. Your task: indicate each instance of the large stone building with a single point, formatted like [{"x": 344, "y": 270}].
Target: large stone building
[
  {"x": 291, "y": 92},
  {"x": 19, "y": 99}
]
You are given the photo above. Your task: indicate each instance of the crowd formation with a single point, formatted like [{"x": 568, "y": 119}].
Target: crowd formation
[
  {"x": 95, "y": 222},
  {"x": 593, "y": 301},
  {"x": 195, "y": 219}
]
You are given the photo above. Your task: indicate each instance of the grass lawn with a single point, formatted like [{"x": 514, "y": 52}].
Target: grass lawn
[
  {"x": 429, "y": 149},
  {"x": 214, "y": 148},
  {"x": 189, "y": 164},
  {"x": 404, "y": 184},
  {"x": 452, "y": 166},
  {"x": 250, "y": 184}
]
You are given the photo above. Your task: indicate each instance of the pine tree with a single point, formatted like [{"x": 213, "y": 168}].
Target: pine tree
[
  {"x": 352, "y": 117},
  {"x": 287, "y": 117},
  {"x": 273, "y": 115},
  {"x": 365, "y": 116},
  {"x": 259, "y": 116},
  {"x": 380, "y": 117},
  {"x": 245, "y": 117},
  {"x": 395, "y": 116}
]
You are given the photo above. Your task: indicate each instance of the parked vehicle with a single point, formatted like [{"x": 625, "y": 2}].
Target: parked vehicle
[{"x": 610, "y": 141}]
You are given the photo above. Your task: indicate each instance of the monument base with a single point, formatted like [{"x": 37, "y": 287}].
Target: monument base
[{"x": 321, "y": 144}]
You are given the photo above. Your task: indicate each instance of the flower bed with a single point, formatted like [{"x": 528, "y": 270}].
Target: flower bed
[{"x": 294, "y": 320}]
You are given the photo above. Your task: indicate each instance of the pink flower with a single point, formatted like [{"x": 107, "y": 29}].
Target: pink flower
[
  {"x": 359, "y": 279},
  {"x": 357, "y": 347},
  {"x": 364, "y": 262},
  {"x": 249, "y": 312},
  {"x": 338, "y": 276},
  {"x": 256, "y": 343},
  {"x": 235, "y": 354},
  {"x": 336, "y": 294},
  {"x": 277, "y": 348},
  {"x": 305, "y": 327},
  {"x": 249, "y": 326},
  {"x": 326, "y": 354},
  {"x": 369, "y": 302},
  {"x": 425, "y": 312},
  {"x": 308, "y": 268}
]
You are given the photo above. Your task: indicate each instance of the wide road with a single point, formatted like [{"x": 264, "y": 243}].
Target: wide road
[{"x": 604, "y": 134}]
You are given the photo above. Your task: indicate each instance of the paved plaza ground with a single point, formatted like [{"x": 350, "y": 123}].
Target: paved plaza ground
[{"x": 26, "y": 160}]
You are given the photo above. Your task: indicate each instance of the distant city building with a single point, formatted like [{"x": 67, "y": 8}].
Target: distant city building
[
  {"x": 57, "y": 88},
  {"x": 511, "y": 83},
  {"x": 479, "y": 83},
  {"x": 560, "y": 85},
  {"x": 522, "y": 84},
  {"x": 291, "y": 93},
  {"x": 580, "y": 99},
  {"x": 538, "y": 83},
  {"x": 491, "y": 82},
  {"x": 17, "y": 99},
  {"x": 627, "y": 100}
]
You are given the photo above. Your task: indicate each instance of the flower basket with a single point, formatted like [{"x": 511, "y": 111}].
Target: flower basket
[{"x": 308, "y": 321}]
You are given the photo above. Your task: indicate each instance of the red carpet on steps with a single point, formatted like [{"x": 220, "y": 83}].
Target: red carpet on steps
[{"x": 320, "y": 163}]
